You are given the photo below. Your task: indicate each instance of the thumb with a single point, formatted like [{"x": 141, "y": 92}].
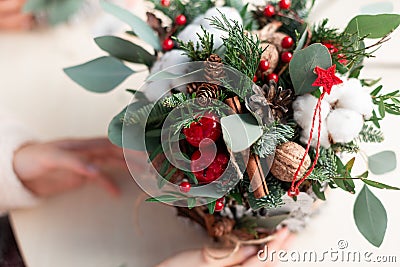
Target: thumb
[
  {"x": 71, "y": 162},
  {"x": 211, "y": 256}
]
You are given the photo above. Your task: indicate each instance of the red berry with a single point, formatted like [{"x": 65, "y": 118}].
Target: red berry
[
  {"x": 273, "y": 76},
  {"x": 269, "y": 11},
  {"x": 287, "y": 42},
  {"x": 264, "y": 65},
  {"x": 185, "y": 187},
  {"x": 255, "y": 79},
  {"x": 206, "y": 128},
  {"x": 332, "y": 49},
  {"x": 342, "y": 59},
  {"x": 285, "y": 4},
  {"x": 286, "y": 57},
  {"x": 208, "y": 169},
  {"x": 219, "y": 205},
  {"x": 180, "y": 20},
  {"x": 165, "y": 3},
  {"x": 168, "y": 44}
]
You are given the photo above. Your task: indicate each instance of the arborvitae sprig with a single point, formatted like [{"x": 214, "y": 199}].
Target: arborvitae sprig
[
  {"x": 199, "y": 51},
  {"x": 350, "y": 147},
  {"x": 243, "y": 50}
]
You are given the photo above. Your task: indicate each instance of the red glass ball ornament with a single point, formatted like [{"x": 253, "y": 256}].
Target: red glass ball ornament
[
  {"x": 255, "y": 79},
  {"x": 273, "y": 76},
  {"x": 185, "y": 187},
  {"x": 168, "y": 44},
  {"x": 285, "y": 4},
  {"x": 264, "y": 65},
  {"x": 180, "y": 20},
  {"x": 269, "y": 11},
  {"x": 287, "y": 42},
  {"x": 286, "y": 57}
]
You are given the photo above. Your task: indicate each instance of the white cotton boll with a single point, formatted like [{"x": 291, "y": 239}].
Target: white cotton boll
[
  {"x": 336, "y": 92},
  {"x": 304, "y": 107},
  {"x": 324, "y": 135},
  {"x": 344, "y": 125},
  {"x": 356, "y": 98},
  {"x": 169, "y": 59},
  {"x": 198, "y": 20},
  {"x": 190, "y": 33},
  {"x": 230, "y": 13}
]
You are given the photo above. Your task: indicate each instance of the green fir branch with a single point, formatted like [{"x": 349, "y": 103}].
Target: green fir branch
[
  {"x": 274, "y": 134},
  {"x": 199, "y": 51},
  {"x": 243, "y": 50},
  {"x": 272, "y": 200},
  {"x": 370, "y": 134}
]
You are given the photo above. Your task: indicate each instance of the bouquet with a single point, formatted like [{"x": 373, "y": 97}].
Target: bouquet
[{"x": 248, "y": 111}]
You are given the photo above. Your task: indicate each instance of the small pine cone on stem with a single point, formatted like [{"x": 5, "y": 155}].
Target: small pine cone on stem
[
  {"x": 279, "y": 100},
  {"x": 213, "y": 69},
  {"x": 206, "y": 92},
  {"x": 192, "y": 87}
]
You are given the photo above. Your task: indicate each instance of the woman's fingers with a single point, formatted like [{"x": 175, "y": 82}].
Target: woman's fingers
[
  {"x": 11, "y": 6},
  {"x": 16, "y": 22},
  {"x": 106, "y": 183},
  {"x": 215, "y": 257},
  {"x": 282, "y": 241}
]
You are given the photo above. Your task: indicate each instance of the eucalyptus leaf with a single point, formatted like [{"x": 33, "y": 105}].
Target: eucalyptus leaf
[
  {"x": 302, "y": 65},
  {"x": 379, "y": 185},
  {"x": 125, "y": 50},
  {"x": 167, "y": 75},
  {"x": 370, "y": 216},
  {"x": 382, "y": 162},
  {"x": 302, "y": 40},
  {"x": 163, "y": 198},
  {"x": 373, "y": 26},
  {"x": 240, "y": 131},
  {"x": 139, "y": 27},
  {"x": 100, "y": 75},
  {"x": 56, "y": 11}
]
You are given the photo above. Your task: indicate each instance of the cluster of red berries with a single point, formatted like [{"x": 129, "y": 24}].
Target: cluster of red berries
[
  {"x": 334, "y": 50},
  {"x": 286, "y": 57},
  {"x": 270, "y": 10},
  {"x": 207, "y": 165},
  {"x": 180, "y": 20}
]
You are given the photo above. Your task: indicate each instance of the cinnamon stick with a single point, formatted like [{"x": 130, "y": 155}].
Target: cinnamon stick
[{"x": 254, "y": 168}]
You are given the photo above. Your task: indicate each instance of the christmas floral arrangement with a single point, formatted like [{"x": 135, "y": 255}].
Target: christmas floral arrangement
[{"x": 249, "y": 110}]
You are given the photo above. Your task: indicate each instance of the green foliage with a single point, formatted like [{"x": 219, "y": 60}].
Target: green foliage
[
  {"x": 270, "y": 201},
  {"x": 370, "y": 216},
  {"x": 273, "y": 135},
  {"x": 302, "y": 65},
  {"x": 199, "y": 51},
  {"x": 100, "y": 75},
  {"x": 191, "y": 10},
  {"x": 57, "y": 11},
  {"x": 387, "y": 103},
  {"x": 138, "y": 26},
  {"x": 350, "y": 147},
  {"x": 175, "y": 100},
  {"x": 326, "y": 167},
  {"x": 125, "y": 50},
  {"x": 370, "y": 134},
  {"x": 150, "y": 115},
  {"x": 243, "y": 50},
  {"x": 373, "y": 26},
  {"x": 382, "y": 162}
]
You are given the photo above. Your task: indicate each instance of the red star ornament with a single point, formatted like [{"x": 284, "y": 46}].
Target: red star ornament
[{"x": 326, "y": 78}]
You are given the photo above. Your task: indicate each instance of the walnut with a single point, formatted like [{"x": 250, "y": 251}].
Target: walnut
[{"x": 287, "y": 159}]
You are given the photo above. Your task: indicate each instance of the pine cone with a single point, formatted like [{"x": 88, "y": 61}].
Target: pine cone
[
  {"x": 206, "y": 92},
  {"x": 214, "y": 69},
  {"x": 192, "y": 87},
  {"x": 278, "y": 99}
]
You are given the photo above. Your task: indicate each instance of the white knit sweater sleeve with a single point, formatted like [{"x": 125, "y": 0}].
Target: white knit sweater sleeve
[{"x": 13, "y": 194}]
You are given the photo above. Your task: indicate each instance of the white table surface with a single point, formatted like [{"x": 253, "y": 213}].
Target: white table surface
[{"x": 88, "y": 228}]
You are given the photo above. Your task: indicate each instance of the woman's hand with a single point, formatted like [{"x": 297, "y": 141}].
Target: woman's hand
[
  {"x": 12, "y": 16},
  {"x": 245, "y": 257},
  {"x": 52, "y": 168}
]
